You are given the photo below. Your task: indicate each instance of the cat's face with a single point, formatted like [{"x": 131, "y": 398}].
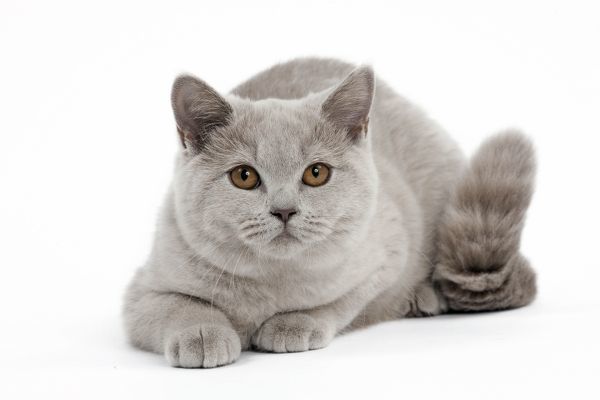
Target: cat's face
[{"x": 279, "y": 178}]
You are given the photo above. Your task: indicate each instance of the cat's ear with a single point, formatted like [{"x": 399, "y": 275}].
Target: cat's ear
[
  {"x": 198, "y": 109},
  {"x": 348, "y": 106}
]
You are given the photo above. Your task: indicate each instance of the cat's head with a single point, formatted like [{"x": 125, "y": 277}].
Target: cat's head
[{"x": 277, "y": 178}]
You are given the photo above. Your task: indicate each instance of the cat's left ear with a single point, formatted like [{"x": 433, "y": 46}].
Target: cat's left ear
[{"x": 348, "y": 106}]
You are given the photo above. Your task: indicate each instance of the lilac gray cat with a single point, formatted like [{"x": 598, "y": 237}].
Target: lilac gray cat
[{"x": 313, "y": 200}]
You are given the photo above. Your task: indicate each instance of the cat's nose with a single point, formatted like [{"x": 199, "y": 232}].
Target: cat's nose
[{"x": 284, "y": 214}]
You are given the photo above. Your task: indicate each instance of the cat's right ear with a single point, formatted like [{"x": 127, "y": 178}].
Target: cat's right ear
[{"x": 198, "y": 109}]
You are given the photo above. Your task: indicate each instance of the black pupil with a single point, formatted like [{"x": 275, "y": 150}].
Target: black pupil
[
  {"x": 245, "y": 174},
  {"x": 315, "y": 171}
]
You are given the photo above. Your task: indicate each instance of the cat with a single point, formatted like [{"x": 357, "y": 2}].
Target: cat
[{"x": 313, "y": 200}]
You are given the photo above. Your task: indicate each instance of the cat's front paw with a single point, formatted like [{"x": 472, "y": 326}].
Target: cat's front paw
[
  {"x": 203, "y": 346},
  {"x": 291, "y": 332}
]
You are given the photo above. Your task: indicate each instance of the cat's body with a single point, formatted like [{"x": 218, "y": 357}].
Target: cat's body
[{"x": 227, "y": 272}]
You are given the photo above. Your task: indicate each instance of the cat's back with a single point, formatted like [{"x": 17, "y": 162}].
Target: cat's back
[{"x": 294, "y": 79}]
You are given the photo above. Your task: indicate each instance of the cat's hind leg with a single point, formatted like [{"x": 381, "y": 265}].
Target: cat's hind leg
[{"x": 479, "y": 266}]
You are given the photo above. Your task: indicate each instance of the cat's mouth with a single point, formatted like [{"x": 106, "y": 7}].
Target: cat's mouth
[
  {"x": 285, "y": 235},
  {"x": 281, "y": 241}
]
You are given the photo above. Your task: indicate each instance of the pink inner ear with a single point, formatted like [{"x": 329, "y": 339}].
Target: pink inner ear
[
  {"x": 182, "y": 137},
  {"x": 362, "y": 128}
]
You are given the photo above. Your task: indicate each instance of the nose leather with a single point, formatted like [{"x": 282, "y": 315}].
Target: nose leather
[{"x": 284, "y": 214}]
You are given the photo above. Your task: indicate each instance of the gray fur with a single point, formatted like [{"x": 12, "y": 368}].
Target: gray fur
[
  {"x": 479, "y": 265},
  {"x": 224, "y": 277}
]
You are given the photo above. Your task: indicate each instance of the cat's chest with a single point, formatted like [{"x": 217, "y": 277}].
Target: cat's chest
[{"x": 290, "y": 289}]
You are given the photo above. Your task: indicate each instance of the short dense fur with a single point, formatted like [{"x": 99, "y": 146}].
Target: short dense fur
[{"x": 404, "y": 226}]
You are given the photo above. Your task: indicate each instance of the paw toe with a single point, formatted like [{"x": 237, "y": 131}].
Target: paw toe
[
  {"x": 292, "y": 332},
  {"x": 203, "y": 347}
]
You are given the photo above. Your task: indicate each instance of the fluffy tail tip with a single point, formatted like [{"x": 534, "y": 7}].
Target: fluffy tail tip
[{"x": 479, "y": 264}]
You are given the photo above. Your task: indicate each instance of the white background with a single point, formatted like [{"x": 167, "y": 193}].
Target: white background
[{"x": 87, "y": 142}]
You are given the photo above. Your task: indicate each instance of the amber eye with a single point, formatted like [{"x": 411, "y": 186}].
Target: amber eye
[
  {"x": 245, "y": 177},
  {"x": 316, "y": 175}
]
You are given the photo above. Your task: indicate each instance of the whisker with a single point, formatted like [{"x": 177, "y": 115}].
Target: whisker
[{"x": 235, "y": 269}]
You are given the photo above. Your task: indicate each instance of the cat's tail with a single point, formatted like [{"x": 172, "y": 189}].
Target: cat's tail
[{"x": 479, "y": 266}]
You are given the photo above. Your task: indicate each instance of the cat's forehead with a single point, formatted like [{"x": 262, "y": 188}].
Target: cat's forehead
[
  {"x": 278, "y": 136},
  {"x": 282, "y": 132},
  {"x": 279, "y": 120}
]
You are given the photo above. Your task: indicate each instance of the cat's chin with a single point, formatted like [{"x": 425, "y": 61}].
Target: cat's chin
[{"x": 283, "y": 246}]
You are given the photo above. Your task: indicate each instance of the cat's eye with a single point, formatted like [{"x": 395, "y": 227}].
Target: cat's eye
[
  {"x": 244, "y": 177},
  {"x": 316, "y": 175}
]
